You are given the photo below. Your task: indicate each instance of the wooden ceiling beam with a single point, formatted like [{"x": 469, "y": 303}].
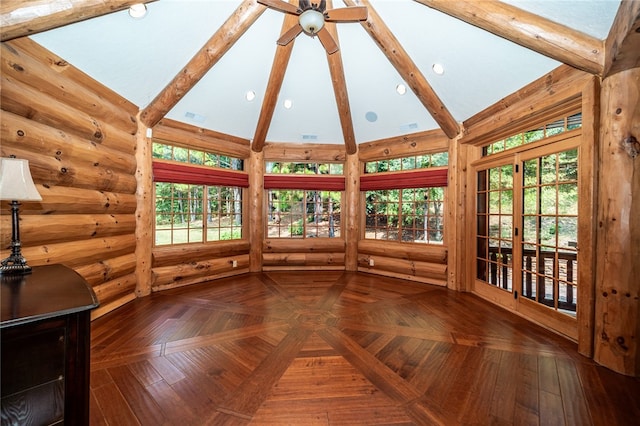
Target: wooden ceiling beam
[
  {"x": 407, "y": 69},
  {"x": 340, "y": 90},
  {"x": 622, "y": 46},
  {"x": 278, "y": 68},
  {"x": 27, "y": 17},
  {"x": 219, "y": 44},
  {"x": 542, "y": 35}
]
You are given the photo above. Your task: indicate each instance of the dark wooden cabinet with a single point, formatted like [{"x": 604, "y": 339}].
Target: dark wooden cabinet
[{"x": 45, "y": 347}]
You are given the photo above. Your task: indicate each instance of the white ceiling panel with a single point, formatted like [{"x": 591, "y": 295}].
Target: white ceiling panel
[{"x": 137, "y": 58}]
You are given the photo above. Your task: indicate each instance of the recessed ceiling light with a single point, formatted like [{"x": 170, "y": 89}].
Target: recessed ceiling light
[
  {"x": 371, "y": 116},
  {"x": 438, "y": 69},
  {"x": 288, "y": 103},
  {"x": 250, "y": 95},
  {"x": 401, "y": 89},
  {"x": 138, "y": 10}
]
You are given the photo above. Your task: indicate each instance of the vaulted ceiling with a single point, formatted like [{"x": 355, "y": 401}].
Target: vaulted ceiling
[{"x": 194, "y": 61}]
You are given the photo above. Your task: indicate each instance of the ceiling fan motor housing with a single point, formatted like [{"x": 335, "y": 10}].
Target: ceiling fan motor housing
[{"x": 311, "y": 21}]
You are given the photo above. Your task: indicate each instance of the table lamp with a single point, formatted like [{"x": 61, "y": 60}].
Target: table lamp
[{"x": 16, "y": 185}]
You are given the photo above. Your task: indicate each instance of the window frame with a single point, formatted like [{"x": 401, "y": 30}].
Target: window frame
[
  {"x": 205, "y": 177},
  {"x": 304, "y": 235},
  {"x": 414, "y": 178},
  {"x": 401, "y": 214},
  {"x": 305, "y": 182}
]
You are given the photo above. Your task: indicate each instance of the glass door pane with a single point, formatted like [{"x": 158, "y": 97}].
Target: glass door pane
[
  {"x": 550, "y": 230},
  {"x": 494, "y": 231}
]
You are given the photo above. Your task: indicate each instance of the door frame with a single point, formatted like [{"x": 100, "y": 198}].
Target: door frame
[{"x": 570, "y": 327}]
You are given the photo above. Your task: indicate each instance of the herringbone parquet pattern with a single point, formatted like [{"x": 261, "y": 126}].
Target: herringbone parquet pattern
[{"x": 332, "y": 348}]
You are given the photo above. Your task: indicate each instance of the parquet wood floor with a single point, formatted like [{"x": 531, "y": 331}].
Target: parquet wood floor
[{"x": 333, "y": 348}]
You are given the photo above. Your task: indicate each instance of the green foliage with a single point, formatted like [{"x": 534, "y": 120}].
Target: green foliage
[
  {"x": 439, "y": 159},
  {"x": 230, "y": 234},
  {"x": 549, "y": 200},
  {"x": 296, "y": 228},
  {"x": 548, "y": 130},
  {"x": 413, "y": 214},
  {"x": 273, "y": 167},
  {"x": 196, "y": 157}
]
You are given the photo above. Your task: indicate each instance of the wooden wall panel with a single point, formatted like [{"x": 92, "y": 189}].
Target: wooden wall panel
[
  {"x": 417, "y": 262},
  {"x": 79, "y": 139},
  {"x": 184, "y": 135},
  {"x": 309, "y": 253},
  {"x": 308, "y": 152},
  {"x": 178, "y": 275},
  {"x": 404, "y": 146},
  {"x": 18, "y": 64}
]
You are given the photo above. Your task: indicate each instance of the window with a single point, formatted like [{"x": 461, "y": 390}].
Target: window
[
  {"x": 304, "y": 199},
  {"x": 550, "y": 129},
  {"x": 195, "y": 200},
  {"x": 405, "y": 198},
  {"x": 278, "y": 168},
  {"x": 162, "y": 151},
  {"x": 495, "y": 226},
  {"x": 303, "y": 214},
  {"x": 409, "y": 215},
  {"x": 408, "y": 163}
]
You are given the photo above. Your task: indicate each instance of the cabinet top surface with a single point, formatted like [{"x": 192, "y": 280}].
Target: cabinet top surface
[{"x": 49, "y": 291}]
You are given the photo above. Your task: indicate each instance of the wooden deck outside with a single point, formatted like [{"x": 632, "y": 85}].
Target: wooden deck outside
[{"x": 333, "y": 348}]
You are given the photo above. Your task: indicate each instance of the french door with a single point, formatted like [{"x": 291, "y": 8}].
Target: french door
[{"x": 526, "y": 232}]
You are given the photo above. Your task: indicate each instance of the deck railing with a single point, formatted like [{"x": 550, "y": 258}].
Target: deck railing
[{"x": 548, "y": 274}]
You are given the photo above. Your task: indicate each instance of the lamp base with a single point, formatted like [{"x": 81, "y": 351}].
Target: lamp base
[{"x": 14, "y": 265}]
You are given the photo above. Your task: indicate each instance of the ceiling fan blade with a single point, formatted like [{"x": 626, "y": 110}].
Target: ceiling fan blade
[
  {"x": 291, "y": 33},
  {"x": 327, "y": 41},
  {"x": 281, "y": 5},
  {"x": 347, "y": 14}
]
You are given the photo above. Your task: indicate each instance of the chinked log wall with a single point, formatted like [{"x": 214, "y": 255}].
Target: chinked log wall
[
  {"x": 175, "y": 266},
  {"x": 417, "y": 262},
  {"x": 79, "y": 138}
]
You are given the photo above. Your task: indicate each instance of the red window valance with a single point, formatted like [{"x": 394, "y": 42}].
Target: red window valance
[
  {"x": 428, "y": 178},
  {"x": 197, "y": 175},
  {"x": 309, "y": 182}
]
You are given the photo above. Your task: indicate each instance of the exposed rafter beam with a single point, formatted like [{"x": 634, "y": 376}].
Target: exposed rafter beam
[
  {"x": 340, "y": 90},
  {"x": 219, "y": 44},
  {"x": 20, "y": 18},
  {"x": 546, "y": 37},
  {"x": 278, "y": 68},
  {"x": 622, "y": 46},
  {"x": 407, "y": 69}
]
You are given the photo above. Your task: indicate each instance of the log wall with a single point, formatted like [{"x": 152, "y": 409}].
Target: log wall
[
  {"x": 416, "y": 262},
  {"x": 80, "y": 139},
  {"x": 179, "y": 265}
]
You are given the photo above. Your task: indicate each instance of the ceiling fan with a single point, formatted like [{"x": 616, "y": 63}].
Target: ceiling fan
[{"x": 312, "y": 17}]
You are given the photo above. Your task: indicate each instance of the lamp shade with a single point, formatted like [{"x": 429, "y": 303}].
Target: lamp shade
[
  {"x": 16, "y": 182},
  {"x": 311, "y": 21}
]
